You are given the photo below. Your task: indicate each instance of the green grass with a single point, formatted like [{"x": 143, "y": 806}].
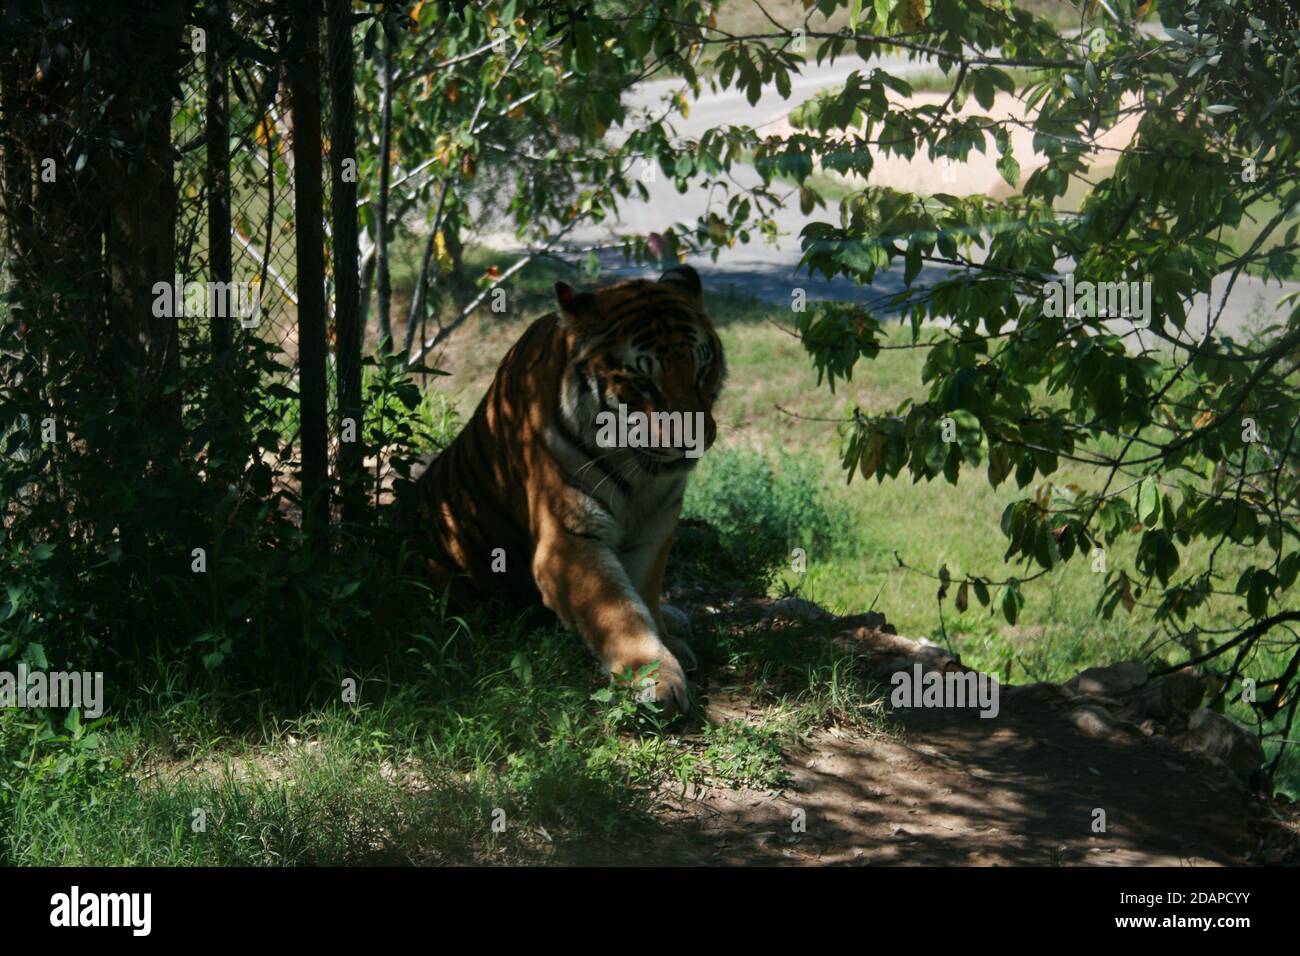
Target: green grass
[
  {"x": 774, "y": 405},
  {"x": 773, "y": 402},
  {"x": 485, "y": 740},
  {"x": 481, "y": 740},
  {"x": 856, "y": 534}
]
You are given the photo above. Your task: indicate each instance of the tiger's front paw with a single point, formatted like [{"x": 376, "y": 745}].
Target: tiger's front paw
[{"x": 665, "y": 685}]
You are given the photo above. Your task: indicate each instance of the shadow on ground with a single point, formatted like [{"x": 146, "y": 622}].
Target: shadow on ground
[{"x": 948, "y": 787}]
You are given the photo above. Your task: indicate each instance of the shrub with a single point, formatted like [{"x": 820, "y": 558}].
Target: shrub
[{"x": 758, "y": 510}]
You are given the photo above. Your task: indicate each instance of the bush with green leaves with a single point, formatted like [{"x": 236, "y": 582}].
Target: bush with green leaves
[
  {"x": 203, "y": 562},
  {"x": 757, "y": 510}
]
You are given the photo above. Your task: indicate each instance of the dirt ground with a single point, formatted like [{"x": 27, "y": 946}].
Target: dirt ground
[{"x": 951, "y": 788}]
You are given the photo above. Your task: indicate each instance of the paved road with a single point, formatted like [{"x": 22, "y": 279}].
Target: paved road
[{"x": 770, "y": 273}]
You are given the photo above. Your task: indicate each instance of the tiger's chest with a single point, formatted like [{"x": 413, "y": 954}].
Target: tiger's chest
[
  {"x": 623, "y": 519},
  {"x": 651, "y": 520},
  {"x": 632, "y": 521}
]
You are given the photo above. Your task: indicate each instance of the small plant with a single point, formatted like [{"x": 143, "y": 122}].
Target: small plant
[
  {"x": 629, "y": 700},
  {"x": 743, "y": 755}
]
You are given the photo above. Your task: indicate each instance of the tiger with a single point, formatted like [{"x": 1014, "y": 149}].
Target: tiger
[{"x": 532, "y": 503}]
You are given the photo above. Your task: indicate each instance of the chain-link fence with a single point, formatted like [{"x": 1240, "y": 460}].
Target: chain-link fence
[
  {"x": 233, "y": 128},
  {"x": 257, "y": 188}
]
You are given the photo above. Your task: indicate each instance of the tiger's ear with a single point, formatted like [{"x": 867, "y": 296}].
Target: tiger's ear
[
  {"x": 686, "y": 281},
  {"x": 577, "y": 309}
]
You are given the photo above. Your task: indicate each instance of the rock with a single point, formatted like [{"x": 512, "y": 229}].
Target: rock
[
  {"x": 1092, "y": 721},
  {"x": 1043, "y": 692},
  {"x": 1080, "y": 700},
  {"x": 872, "y": 620},
  {"x": 1110, "y": 681},
  {"x": 1169, "y": 698},
  {"x": 889, "y": 653},
  {"x": 799, "y": 609},
  {"x": 1216, "y": 736},
  {"x": 676, "y": 620}
]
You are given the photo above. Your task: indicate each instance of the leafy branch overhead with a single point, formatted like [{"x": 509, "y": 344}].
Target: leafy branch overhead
[{"x": 1190, "y": 430}]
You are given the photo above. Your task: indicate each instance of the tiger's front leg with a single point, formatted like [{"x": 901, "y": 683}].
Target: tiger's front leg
[
  {"x": 651, "y": 588},
  {"x": 583, "y": 582}
]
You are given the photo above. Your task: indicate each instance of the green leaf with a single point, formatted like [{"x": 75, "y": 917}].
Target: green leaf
[
  {"x": 912, "y": 262},
  {"x": 584, "y": 48},
  {"x": 1147, "y": 503},
  {"x": 1012, "y": 602},
  {"x": 1261, "y": 590},
  {"x": 347, "y": 590},
  {"x": 1009, "y": 169},
  {"x": 15, "y": 594}
]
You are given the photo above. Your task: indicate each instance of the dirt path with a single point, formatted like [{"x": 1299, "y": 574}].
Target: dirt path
[
  {"x": 952, "y": 788},
  {"x": 959, "y": 792}
]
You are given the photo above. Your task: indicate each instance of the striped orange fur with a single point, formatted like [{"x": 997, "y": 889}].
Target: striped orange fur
[{"x": 526, "y": 504}]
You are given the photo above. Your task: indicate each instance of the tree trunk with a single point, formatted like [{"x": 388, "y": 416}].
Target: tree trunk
[
  {"x": 347, "y": 303},
  {"x": 142, "y": 208},
  {"x": 385, "y": 292},
  {"x": 308, "y": 213}
]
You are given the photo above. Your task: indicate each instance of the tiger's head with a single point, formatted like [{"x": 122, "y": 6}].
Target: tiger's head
[{"x": 644, "y": 359}]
